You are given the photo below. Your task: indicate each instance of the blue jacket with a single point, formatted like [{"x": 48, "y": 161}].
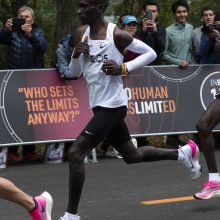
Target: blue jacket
[
  {"x": 207, "y": 51},
  {"x": 63, "y": 57},
  {"x": 24, "y": 52}
]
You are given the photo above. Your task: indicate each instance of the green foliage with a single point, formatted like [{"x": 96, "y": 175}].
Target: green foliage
[
  {"x": 196, "y": 7},
  {"x": 45, "y": 16},
  {"x": 127, "y": 7}
]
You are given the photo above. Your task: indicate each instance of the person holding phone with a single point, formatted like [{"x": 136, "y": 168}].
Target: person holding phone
[
  {"x": 150, "y": 31},
  {"x": 30, "y": 41},
  {"x": 26, "y": 47},
  {"x": 148, "y": 22},
  {"x": 154, "y": 35}
]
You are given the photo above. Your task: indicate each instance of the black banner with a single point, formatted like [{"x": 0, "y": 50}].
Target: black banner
[
  {"x": 168, "y": 100},
  {"x": 37, "y": 106}
]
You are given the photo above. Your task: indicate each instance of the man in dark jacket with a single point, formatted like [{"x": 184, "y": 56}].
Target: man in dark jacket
[
  {"x": 209, "y": 39},
  {"x": 26, "y": 47},
  {"x": 150, "y": 32},
  {"x": 26, "y": 43}
]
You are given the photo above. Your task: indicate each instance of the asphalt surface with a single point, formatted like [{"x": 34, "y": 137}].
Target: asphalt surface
[{"x": 114, "y": 191}]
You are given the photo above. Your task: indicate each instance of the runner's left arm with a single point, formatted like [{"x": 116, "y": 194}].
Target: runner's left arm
[
  {"x": 147, "y": 56},
  {"x": 124, "y": 40}
]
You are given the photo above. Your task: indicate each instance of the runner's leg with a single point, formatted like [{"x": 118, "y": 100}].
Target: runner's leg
[
  {"x": 102, "y": 123},
  {"x": 188, "y": 155},
  {"x": 76, "y": 154},
  {"x": 120, "y": 139},
  {"x": 204, "y": 126},
  {"x": 11, "y": 193}
]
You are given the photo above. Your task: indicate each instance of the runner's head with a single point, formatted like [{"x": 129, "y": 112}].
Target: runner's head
[{"x": 89, "y": 11}]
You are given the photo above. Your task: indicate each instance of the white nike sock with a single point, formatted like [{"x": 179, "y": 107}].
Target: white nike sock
[
  {"x": 70, "y": 216},
  {"x": 214, "y": 177}
]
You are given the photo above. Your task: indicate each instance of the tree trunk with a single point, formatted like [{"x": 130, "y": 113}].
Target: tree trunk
[
  {"x": 16, "y": 5},
  {"x": 66, "y": 20}
]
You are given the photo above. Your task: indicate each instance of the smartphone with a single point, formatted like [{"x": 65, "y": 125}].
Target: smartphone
[
  {"x": 148, "y": 15},
  {"x": 17, "y": 22}
]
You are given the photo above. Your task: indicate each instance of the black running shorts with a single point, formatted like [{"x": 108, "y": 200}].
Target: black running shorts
[{"x": 107, "y": 123}]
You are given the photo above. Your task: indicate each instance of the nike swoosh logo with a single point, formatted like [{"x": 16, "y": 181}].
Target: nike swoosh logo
[
  {"x": 103, "y": 45},
  {"x": 87, "y": 132},
  {"x": 192, "y": 166},
  {"x": 43, "y": 212},
  {"x": 42, "y": 208}
]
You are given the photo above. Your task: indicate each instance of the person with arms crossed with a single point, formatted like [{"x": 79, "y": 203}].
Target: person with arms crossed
[
  {"x": 34, "y": 205},
  {"x": 98, "y": 54}
]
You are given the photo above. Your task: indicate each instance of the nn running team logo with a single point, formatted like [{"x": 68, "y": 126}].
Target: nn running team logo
[{"x": 210, "y": 87}]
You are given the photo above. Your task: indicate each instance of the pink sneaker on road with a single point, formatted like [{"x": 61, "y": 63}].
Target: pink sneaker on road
[
  {"x": 209, "y": 190},
  {"x": 44, "y": 207},
  {"x": 191, "y": 159}
]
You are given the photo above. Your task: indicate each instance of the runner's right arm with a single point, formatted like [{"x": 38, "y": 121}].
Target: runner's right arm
[{"x": 81, "y": 47}]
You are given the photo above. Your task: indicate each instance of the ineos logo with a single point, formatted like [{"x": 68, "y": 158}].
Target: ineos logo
[
  {"x": 209, "y": 88},
  {"x": 98, "y": 58}
]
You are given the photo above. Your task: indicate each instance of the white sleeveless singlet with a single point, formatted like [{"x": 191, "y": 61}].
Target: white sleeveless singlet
[{"x": 104, "y": 90}]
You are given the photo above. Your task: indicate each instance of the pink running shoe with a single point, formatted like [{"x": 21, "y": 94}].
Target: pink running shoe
[
  {"x": 191, "y": 159},
  {"x": 44, "y": 207},
  {"x": 209, "y": 190}
]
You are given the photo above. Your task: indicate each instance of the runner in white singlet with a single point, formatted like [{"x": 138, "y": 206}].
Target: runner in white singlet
[{"x": 98, "y": 56}]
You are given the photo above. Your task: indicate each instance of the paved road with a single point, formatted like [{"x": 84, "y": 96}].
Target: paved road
[{"x": 114, "y": 191}]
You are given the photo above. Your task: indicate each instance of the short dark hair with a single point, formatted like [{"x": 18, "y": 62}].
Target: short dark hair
[
  {"x": 175, "y": 5},
  {"x": 120, "y": 20},
  {"x": 207, "y": 8},
  {"x": 104, "y": 2},
  {"x": 150, "y": 2},
  {"x": 100, "y": 2}
]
